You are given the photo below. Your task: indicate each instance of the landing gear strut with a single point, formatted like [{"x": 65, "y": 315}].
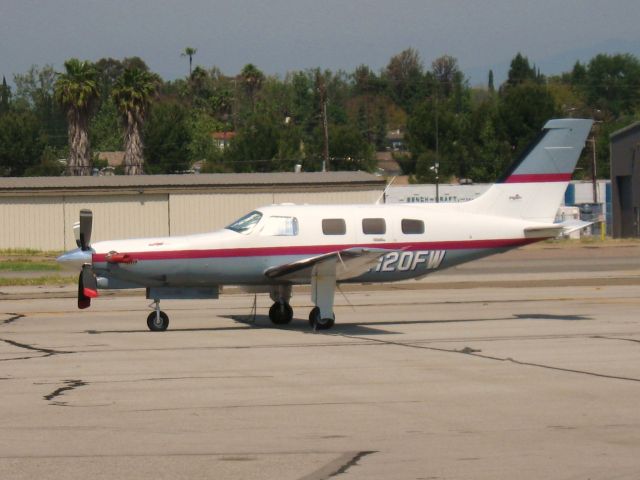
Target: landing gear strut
[{"x": 157, "y": 321}]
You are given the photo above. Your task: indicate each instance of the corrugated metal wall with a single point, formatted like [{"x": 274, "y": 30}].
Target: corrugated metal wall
[
  {"x": 46, "y": 223},
  {"x": 200, "y": 213},
  {"x": 118, "y": 216},
  {"x": 32, "y": 222}
]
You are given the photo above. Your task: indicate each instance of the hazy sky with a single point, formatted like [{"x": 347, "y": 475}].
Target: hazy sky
[{"x": 282, "y": 35}]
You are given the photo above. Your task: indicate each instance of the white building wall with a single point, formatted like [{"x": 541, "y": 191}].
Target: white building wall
[
  {"x": 330, "y": 198},
  {"x": 118, "y": 216},
  {"x": 31, "y": 222},
  {"x": 203, "y": 212},
  {"x": 46, "y": 222}
]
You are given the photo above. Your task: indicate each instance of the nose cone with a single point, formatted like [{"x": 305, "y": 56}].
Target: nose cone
[{"x": 74, "y": 259}]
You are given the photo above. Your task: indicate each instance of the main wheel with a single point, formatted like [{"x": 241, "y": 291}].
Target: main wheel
[
  {"x": 281, "y": 313},
  {"x": 158, "y": 323},
  {"x": 320, "y": 323}
]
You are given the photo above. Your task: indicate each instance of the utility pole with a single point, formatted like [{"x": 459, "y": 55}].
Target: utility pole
[
  {"x": 435, "y": 168},
  {"x": 437, "y": 165},
  {"x": 322, "y": 90},
  {"x": 593, "y": 170}
]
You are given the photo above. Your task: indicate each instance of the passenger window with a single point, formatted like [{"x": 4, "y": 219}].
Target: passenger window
[
  {"x": 280, "y": 226},
  {"x": 412, "y": 227},
  {"x": 334, "y": 226},
  {"x": 373, "y": 226}
]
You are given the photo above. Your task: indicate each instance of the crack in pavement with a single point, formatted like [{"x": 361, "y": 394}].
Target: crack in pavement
[
  {"x": 338, "y": 466},
  {"x": 69, "y": 385},
  {"x": 16, "y": 316},
  {"x": 474, "y": 353},
  {"x": 47, "y": 351},
  {"x": 617, "y": 338}
]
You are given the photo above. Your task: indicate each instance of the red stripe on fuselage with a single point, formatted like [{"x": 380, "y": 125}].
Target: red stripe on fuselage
[
  {"x": 539, "y": 178},
  {"x": 318, "y": 249}
]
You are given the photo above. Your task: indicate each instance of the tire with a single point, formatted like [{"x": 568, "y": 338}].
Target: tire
[
  {"x": 155, "y": 325},
  {"x": 281, "y": 313},
  {"x": 319, "y": 323}
]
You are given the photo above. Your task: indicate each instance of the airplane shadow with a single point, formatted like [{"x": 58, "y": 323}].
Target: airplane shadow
[{"x": 347, "y": 328}]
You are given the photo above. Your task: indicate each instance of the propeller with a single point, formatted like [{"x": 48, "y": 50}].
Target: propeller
[
  {"x": 87, "y": 282},
  {"x": 84, "y": 237},
  {"x": 87, "y": 286}
]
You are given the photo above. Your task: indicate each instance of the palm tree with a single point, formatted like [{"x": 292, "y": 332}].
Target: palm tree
[
  {"x": 132, "y": 95},
  {"x": 189, "y": 52},
  {"x": 252, "y": 79},
  {"x": 76, "y": 90}
]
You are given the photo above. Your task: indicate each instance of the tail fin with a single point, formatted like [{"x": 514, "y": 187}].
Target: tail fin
[{"x": 533, "y": 186}]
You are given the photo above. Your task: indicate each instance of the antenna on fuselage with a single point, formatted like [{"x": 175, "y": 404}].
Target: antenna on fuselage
[{"x": 384, "y": 192}]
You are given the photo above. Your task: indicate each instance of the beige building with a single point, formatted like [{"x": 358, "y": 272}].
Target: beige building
[{"x": 39, "y": 212}]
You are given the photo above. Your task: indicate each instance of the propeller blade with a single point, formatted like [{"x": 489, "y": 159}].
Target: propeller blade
[
  {"x": 86, "y": 222},
  {"x": 87, "y": 286}
]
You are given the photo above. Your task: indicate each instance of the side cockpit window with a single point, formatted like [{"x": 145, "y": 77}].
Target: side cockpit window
[
  {"x": 280, "y": 226},
  {"x": 246, "y": 224}
]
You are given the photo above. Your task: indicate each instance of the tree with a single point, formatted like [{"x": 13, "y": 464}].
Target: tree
[
  {"x": 490, "y": 85},
  {"x": 21, "y": 142},
  {"x": 167, "y": 137},
  {"x": 35, "y": 91},
  {"x": 612, "y": 83},
  {"x": 132, "y": 94},
  {"x": 189, "y": 52},
  {"x": 405, "y": 76},
  {"x": 76, "y": 90},
  {"x": 251, "y": 79},
  {"x": 446, "y": 72},
  {"x": 520, "y": 71},
  {"x": 5, "y": 95}
]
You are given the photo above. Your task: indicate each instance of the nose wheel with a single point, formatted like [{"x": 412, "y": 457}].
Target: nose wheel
[
  {"x": 157, "y": 321},
  {"x": 281, "y": 313}
]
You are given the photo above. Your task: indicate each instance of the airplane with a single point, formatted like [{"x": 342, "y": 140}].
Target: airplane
[{"x": 276, "y": 247}]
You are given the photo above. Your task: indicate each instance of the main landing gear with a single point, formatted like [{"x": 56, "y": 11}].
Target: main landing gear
[
  {"x": 317, "y": 322},
  {"x": 281, "y": 312},
  {"x": 157, "y": 321}
]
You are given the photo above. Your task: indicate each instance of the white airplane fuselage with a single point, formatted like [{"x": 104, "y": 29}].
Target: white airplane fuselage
[{"x": 449, "y": 238}]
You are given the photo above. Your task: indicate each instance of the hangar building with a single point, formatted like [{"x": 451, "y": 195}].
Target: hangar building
[
  {"x": 39, "y": 212},
  {"x": 625, "y": 181}
]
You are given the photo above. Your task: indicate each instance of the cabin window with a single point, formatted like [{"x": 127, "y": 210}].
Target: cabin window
[
  {"x": 374, "y": 226},
  {"x": 246, "y": 223},
  {"x": 334, "y": 226},
  {"x": 280, "y": 226},
  {"x": 412, "y": 227}
]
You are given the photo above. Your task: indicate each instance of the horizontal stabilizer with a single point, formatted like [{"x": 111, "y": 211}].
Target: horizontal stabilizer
[
  {"x": 350, "y": 263},
  {"x": 571, "y": 226},
  {"x": 555, "y": 229}
]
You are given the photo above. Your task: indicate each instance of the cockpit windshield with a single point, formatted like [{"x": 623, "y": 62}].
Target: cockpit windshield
[{"x": 246, "y": 223}]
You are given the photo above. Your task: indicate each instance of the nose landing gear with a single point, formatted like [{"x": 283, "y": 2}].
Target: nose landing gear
[{"x": 157, "y": 321}]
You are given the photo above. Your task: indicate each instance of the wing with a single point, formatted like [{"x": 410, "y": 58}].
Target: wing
[{"x": 349, "y": 263}]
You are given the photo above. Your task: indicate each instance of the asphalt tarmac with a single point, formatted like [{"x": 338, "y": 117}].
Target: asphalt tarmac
[{"x": 525, "y": 365}]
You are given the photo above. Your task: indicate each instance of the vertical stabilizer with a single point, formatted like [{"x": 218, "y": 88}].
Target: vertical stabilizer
[{"x": 533, "y": 186}]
